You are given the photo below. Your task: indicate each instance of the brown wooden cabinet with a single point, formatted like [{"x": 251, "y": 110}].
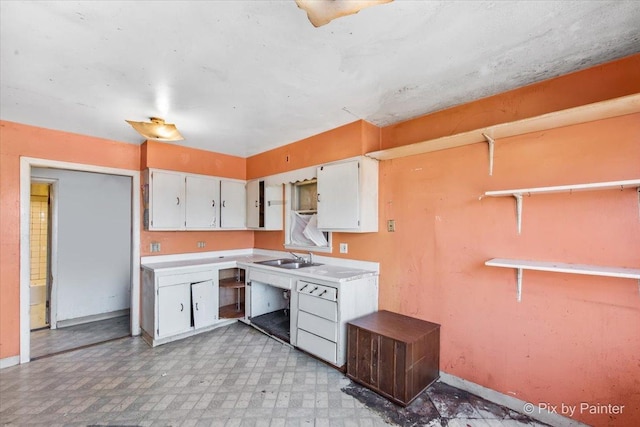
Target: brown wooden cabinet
[{"x": 394, "y": 355}]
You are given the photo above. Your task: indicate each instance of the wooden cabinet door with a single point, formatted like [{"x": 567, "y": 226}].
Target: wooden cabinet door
[
  {"x": 202, "y": 203},
  {"x": 205, "y": 303},
  {"x": 233, "y": 204},
  {"x": 166, "y": 201},
  {"x": 174, "y": 309},
  {"x": 338, "y": 196}
]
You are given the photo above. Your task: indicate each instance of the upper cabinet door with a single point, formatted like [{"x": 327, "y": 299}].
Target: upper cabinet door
[
  {"x": 338, "y": 196},
  {"x": 254, "y": 206},
  {"x": 202, "y": 203},
  {"x": 232, "y": 204},
  {"x": 166, "y": 201},
  {"x": 273, "y": 207}
]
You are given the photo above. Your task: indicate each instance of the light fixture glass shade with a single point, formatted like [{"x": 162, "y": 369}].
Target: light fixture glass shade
[
  {"x": 321, "y": 12},
  {"x": 157, "y": 129}
]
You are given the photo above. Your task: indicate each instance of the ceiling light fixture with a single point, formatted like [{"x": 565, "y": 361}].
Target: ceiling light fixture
[
  {"x": 157, "y": 129},
  {"x": 321, "y": 12}
]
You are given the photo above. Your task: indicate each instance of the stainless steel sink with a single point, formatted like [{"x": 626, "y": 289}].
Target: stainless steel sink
[{"x": 288, "y": 263}]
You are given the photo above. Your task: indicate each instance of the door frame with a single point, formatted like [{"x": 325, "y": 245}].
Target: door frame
[
  {"x": 26, "y": 163},
  {"x": 52, "y": 270}
]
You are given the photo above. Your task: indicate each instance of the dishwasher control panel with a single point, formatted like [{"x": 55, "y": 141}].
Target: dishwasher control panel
[{"x": 320, "y": 291}]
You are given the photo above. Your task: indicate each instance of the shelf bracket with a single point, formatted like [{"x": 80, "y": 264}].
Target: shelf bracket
[
  {"x": 638, "y": 190},
  {"x": 518, "y": 198},
  {"x": 491, "y": 143},
  {"x": 519, "y": 284}
]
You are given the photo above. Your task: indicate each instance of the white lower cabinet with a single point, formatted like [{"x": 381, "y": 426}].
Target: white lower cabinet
[
  {"x": 178, "y": 303},
  {"x": 323, "y": 310}
]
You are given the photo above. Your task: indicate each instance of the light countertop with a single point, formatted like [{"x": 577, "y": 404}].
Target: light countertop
[{"x": 326, "y": 272}]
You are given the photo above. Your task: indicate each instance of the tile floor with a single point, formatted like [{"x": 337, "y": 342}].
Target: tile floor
[
  {"x": 52, "y": 341},
  {"x": 232, "y": 376}
]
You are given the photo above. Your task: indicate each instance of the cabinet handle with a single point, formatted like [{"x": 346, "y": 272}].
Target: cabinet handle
[
  {"x": 302, "y": 288},
  {"x": 181, "y": 307},
  {"x": 322, "y": 293},
  {"x": 178, "y": 200},
  {"x": 256, "y": 203},
  {"x": 197, "y": 306},
  {"x": 269, "y": 203},
  {"x": 224, "y": 203},
  {"x": 213, "y": 203},
  {"x": 318, "y": 197}
]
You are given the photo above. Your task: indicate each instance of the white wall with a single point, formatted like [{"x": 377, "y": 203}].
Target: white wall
[{"x": 94, "y": 242}]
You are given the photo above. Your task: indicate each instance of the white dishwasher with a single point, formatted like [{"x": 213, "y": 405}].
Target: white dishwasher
[{"x": 318, "y": 320}]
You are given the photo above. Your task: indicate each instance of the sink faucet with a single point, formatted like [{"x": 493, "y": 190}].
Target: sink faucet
[
  {"x": 298, "y": 257},
  {"x": 301, "y": 258}
]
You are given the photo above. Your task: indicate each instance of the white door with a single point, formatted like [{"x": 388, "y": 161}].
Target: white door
[
  {"x": 233, "y": 204},
  {"x": 167, "y": 201},
  {"x": 274, "y": 206},
  {"x": 253, "y": 204},
  {"x": 338, "y": 198},
  {"x": 174, "y": 309},
  {"x": 202, "y": 202},
  {"x": 205, "y": 303}
]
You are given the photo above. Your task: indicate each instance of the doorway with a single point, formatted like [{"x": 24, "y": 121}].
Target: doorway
[
  {"x": 40, "y": 250},
  {"x": 132, "y": 254}
]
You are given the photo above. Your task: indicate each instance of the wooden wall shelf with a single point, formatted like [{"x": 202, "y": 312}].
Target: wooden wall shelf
[
  {"x": 586, "y": 113},
  {"x": 558, "y": 267}
]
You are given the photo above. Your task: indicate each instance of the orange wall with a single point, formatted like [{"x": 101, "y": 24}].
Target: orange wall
[
  {"x": 174, "y": 157},
  {"x": 343, "y": 142},
  {"x": 18, "y": 140},
  {"x": 572, "y": 339}
]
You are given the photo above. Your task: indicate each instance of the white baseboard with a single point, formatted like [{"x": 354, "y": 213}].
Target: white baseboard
[
  {"x": 510, "y": 402},
  {"x": 92, "y": 318},
  {"x": 9, "y": 361}
]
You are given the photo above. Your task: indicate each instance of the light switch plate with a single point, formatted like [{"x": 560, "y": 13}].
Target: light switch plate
[
  {"x": 344, "y": 248},
  {"x": 391, "y": 225}
]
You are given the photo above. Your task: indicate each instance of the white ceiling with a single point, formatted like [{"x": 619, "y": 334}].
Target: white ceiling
[{"x": 242, "y": 77}]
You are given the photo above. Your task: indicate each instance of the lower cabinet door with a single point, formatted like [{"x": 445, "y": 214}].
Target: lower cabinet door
[
  {"x": 174, "y": 309},
  {"x": 205, "y": 303}
]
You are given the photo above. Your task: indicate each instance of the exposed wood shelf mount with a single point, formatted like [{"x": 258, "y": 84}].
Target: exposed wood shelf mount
[
  {"x": 518, "y": 193},
  {"x": 572, "y": 116},
  {"x": 592, "y": 270}
]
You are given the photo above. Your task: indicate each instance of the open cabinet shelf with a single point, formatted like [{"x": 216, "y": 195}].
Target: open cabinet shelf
[
  {"x": 558, "y": 267},
  {"x": 586, "y": 113}
]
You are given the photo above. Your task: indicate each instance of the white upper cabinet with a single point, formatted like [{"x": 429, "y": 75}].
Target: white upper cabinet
[
  {"x": 166, "y": 200},
  {"x": 232, "y": 204},
  {"x": 183, "y": 201},
  {"x": 348, "y": 196},
  {"x": 264, "y": 206},
  {"x": 202, "y": 202}
]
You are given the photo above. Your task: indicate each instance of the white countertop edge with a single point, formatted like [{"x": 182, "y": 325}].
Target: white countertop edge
[
  {"x": 333, "y": 269},
  {"x": 152, "y": 259}
]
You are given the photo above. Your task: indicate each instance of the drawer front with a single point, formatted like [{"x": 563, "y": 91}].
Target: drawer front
[
  {"x": 318, "y": 326},
  {"x": 324, "y": 349},
  {"x": 186, "y": 277},
  {"x": 324, "y": 292},
  {"x": 270, "y": 279},
  {"x": 318, "y": 306}
]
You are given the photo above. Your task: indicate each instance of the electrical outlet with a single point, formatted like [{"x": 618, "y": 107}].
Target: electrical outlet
[
  {"x": 344, "y": 248},
  {"x": 202, "y": 244},
  {"x": 155, "y": 246},
  {"x": 391, "y": 225}
]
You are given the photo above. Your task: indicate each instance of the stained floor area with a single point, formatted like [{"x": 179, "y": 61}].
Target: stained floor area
[
  {"x": 276, "y": 323},
  {"x": 231, "y": 376},
  {"x": 45, "y": 342}
]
